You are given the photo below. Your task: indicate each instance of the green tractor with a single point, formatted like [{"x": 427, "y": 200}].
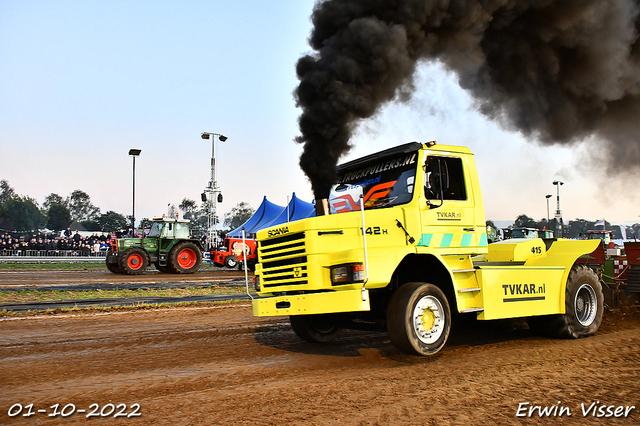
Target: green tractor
[{"x": 167, "y": 246}]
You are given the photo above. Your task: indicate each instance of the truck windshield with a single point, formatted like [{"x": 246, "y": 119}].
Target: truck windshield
[{"x": 384, "y": 182}]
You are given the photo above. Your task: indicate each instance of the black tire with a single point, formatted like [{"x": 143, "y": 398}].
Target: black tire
[
  {"x": 133, "y": 261},
  {"x": 231, "y": 261},
  {"x": 319, "y": 328},
  {"x": 251, "y": 264},
  {"x": 184, "y": 258},
  {"x": 113, "y": 267},
  {"x": 584, "y": 307},
  {"x": 419, "y": 319}
]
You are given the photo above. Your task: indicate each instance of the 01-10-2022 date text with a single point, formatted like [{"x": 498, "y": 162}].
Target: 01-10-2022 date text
[{"x": 68, "y": 410}]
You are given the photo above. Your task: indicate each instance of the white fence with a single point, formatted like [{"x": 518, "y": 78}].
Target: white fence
[
  {"x": 51, "y": 253},
  {"x": 51, "y": 256}
]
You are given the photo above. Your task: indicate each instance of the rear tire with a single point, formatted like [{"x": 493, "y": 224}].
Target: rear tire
[
  {"x": 184, "y": 258},
  {"x": 134, "y": 261},
  {"x": 584, "y": 306},
  {"x": 419, "y": 319},
  {"x": 320, "y": 328}
]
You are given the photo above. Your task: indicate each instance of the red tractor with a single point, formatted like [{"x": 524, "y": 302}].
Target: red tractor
[{"x": 230, "y": 253}]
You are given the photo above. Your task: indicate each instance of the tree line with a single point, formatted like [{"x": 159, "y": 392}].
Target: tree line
[{"x": 23, "y": 213}]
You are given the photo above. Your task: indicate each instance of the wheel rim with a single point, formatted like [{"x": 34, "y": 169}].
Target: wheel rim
[
  {"x": 585, "y": 305},
  {"x": 428, "y": 319},
  {"x": 134, "y": 261},
  {"x": 187, "y": 258}
]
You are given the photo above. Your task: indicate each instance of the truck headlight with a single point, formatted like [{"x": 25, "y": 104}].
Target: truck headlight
[{"x": 347, "y": 273}]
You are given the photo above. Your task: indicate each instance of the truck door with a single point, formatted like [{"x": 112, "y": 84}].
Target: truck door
[{"x": 448, "y": 210}]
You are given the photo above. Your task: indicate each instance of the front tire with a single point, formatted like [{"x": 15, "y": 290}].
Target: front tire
[
  {"x": 113, "y": 267},
  {"x": 231, "y": 261},
  {"x": 184, "y": 258},
  {"x": 320, "y": 328},
  {"x": 134, "y": 261},
  {"x": 419, "y": 319}
]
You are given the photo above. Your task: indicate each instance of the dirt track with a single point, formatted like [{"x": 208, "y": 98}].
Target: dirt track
[
  {"x": 220, "y": 365},
  {"x": 61, "y": 279}
]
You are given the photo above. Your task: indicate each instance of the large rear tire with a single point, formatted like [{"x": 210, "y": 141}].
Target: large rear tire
[
  {"x": 134, "y": 261},
  {"x": 419, "y": 319},
  {"x": 184, "y": 258},
  {"x": 584, "y": 306},
  {"x": 320, "y": 328}
]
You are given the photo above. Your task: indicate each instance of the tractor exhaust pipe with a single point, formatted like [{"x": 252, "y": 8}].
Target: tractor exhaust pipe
[{"x": 322, "y": 207}]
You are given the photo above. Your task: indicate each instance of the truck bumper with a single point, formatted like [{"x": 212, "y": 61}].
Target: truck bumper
[{"x": 315, "y": 303}]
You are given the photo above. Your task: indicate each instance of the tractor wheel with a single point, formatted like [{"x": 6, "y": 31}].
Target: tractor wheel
[
  {"x": 419, "y": 319},
  {"x": 584, "y": 306},
  {"x": 163, "y": 269},
  {"x": 319, "y": 328},
  {"x": 184, "y": 258},
  {"x": 231, "y": 261},
  {"x": 113, "y": 267},
  {"x": 134, "y": 261}
]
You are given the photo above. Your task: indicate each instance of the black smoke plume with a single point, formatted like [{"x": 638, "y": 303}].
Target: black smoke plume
[{"x": 558, "y": 71}]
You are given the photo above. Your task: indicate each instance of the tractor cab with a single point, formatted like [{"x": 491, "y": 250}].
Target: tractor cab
[{"x": 169, "y": 228}]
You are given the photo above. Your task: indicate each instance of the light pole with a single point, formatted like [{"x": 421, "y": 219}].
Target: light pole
[
  {"x": 547, "y": 197},
  {"x": 211, "y": 195},
  {"x": 134, "y": 153},
  {"x": 558, "y": 215}
]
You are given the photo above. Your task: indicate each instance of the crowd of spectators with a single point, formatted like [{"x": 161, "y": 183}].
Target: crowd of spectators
[{"x": 65, "y": 243}]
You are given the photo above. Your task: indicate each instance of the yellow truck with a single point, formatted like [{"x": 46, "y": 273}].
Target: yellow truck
[{"x": 401, "y": 241}]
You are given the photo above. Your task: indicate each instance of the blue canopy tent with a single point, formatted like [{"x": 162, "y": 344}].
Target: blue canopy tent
[
  {"x": 269, "y": 214},
  {"x": 263, "y": 215},
  {"x": 296, "y": 209}
]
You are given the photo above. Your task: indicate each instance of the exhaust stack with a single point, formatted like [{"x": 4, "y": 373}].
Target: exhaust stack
[{"x": 322, "y": 207}]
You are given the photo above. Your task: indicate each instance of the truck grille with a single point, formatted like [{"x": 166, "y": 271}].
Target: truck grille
[{"x": 284, "y": 260}]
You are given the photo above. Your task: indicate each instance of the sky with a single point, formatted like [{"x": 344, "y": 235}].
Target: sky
[{"x": 83, "y": 81}]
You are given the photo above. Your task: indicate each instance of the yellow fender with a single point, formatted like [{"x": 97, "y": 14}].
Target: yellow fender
[{"x": 564, "y": 253}]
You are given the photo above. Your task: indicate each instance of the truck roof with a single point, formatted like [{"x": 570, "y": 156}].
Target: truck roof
[{"x": 403, "y": 149}]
